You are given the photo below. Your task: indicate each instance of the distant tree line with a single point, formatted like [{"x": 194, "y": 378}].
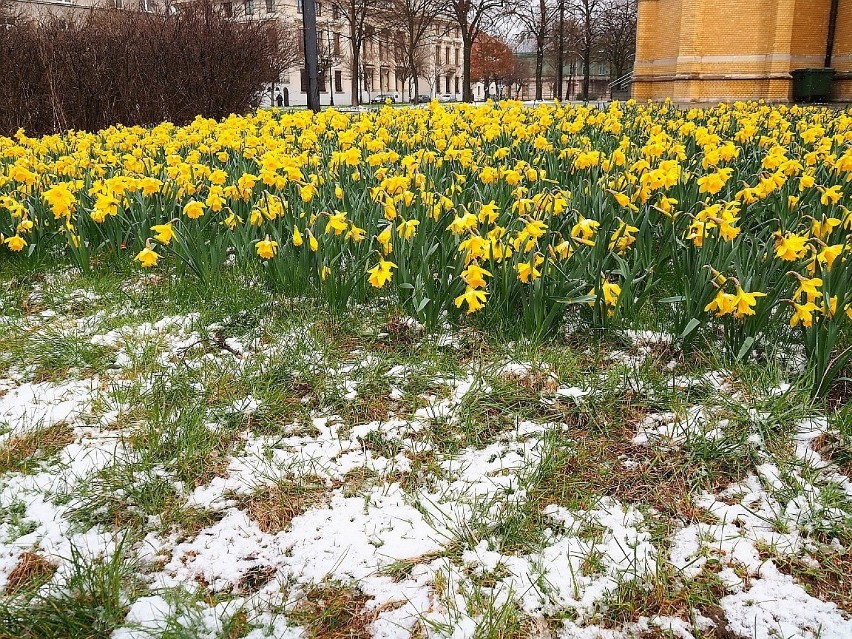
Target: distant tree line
[
  {"x": 104, "y": 66},
  {"x": 557, "y": 30}
]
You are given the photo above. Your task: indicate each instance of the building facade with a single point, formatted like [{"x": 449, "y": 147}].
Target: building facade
[
  {"x": 572, "y": 78},
  {"x": 382, "y": 69},
  {"x": 715, "y": 50},
  {"x": 42, "y": 9}
]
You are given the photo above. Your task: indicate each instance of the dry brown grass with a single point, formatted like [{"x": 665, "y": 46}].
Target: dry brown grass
[
  {"x": 16, "y": 454},
  {"x": 397, "y": 335},
  {"x": 32, "y": 570},
  {"x": 832, "y": 581},
  {"x": 668, "y": 596},
  {"x": 537, "y": 380},
  {"x": 334, "y": 611},
  {"x": 256, "y": 578},
  {"x": 831, "y": 447},
  {"x": 275, "y": 507},
  {"x": 609, "y": 464}
]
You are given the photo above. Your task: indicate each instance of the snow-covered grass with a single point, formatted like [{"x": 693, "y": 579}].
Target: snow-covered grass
[{"x": 181, "y": 462}]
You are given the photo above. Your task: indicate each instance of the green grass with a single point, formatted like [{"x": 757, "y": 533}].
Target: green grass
[
  {"x": 178, "y": 429},
  {"x": 89, "y": 605}
]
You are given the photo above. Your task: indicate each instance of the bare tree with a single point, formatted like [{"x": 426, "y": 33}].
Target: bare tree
[
  {"x": 411, "y": 69},
  {"x": 618, "y": 35},
  {"x": 472, "y": 17},
  {"x": 414, "y": 23},
  {"x": 358, "y": 14},
  {"x": 536, "y": 19},
  {"x": 515, "y": 79},
  {"x": 286, "y": 36},
  {"x": 562, "y": 47},
  {"x": 588, "y": 14},
  {"x": 328, "y": 56}
]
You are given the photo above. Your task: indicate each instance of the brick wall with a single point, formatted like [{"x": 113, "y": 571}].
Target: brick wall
[
  {"x": 842, "y": 59},
  {"x": 714, "y": 50}
]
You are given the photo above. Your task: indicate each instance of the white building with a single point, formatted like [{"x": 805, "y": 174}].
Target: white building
[{"x": 382, "y": 72}]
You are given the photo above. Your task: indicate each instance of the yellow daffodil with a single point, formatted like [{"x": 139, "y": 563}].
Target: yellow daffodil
[
  {"x": 808, "y": 287},
  {"x": 266, "y": 248},
  {"x": 381, "y": 273},
  {"x": 164, "y": 233},
  {"x": 193, "y": 210},
  {"x": 804, "y": 314},
  {"x": 15, "y": 243},
  {"x": 475, "y": 299},
  {"x": 474, "y": 275},
  {"x": 745, "y": 302},
  {"x": 147, "y": 257},
  {"x": 790, "y": 247},
  {"x": 407, "y": 228}
]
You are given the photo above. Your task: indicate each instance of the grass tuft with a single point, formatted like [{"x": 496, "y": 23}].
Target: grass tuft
[{"x": 23, "y": 453}]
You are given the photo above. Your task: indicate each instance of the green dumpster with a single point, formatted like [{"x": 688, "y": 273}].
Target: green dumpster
[{"x": 812, "y": 85}]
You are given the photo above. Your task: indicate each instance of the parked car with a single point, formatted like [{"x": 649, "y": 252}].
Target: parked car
[
  {"x": 446, "y": 97},
  {"x": 421, "y": 98},
  {"x": 381, "y": 98}
]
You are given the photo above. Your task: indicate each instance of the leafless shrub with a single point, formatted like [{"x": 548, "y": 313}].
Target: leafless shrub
[{"x": 107, "y": 67}]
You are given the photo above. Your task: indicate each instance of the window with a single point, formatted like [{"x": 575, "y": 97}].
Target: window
[
  {"x": 338, "y": 81},
  {"x": 447, "y": 55},
  {"x": 228, "y": 9},
  {"x": 323, "y": 85},
  {"x": 303, "y": 80},
  {"x": 301, "y": 41},
  {"x": 319, "y": 8},
  {"x": 248, "y": 7},
  {"x": 369, "y": 32},
  {"x": 336, "y": 44},
  {"x": 457, "y": 85},
  {"x": 270, "y": 6},
  {"x": 447, "y": 81},
  {"x": 457, "y": 56},
  {"x": 300, "y": 7},
  {"x": 335, "y": 12},
  {"x": 117, "y": 4},
  {"x": 437, "y": 54}
]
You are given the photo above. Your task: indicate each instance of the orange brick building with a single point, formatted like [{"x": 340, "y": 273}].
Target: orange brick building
[{"x": 719, "y": 50}]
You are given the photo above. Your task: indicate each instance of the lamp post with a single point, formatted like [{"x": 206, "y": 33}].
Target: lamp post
[
  {"x": 309, "y": 15},
  {"x": 560, "y": 51},
  {"x": 328, "y": 65}
]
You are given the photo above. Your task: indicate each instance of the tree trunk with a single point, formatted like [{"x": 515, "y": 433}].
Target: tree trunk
[
  {"x": 356, "y": 64},
  {"x": 416, "y": 89},
  {"x": 587, "y": 53},
  {"x": 560, "y": 51},
  {"x": 467, "y": 46},
  {"x": 412, "y": 69},
  {"x": 540, "y": 36},
  {"x": 539, "y": 70}
]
